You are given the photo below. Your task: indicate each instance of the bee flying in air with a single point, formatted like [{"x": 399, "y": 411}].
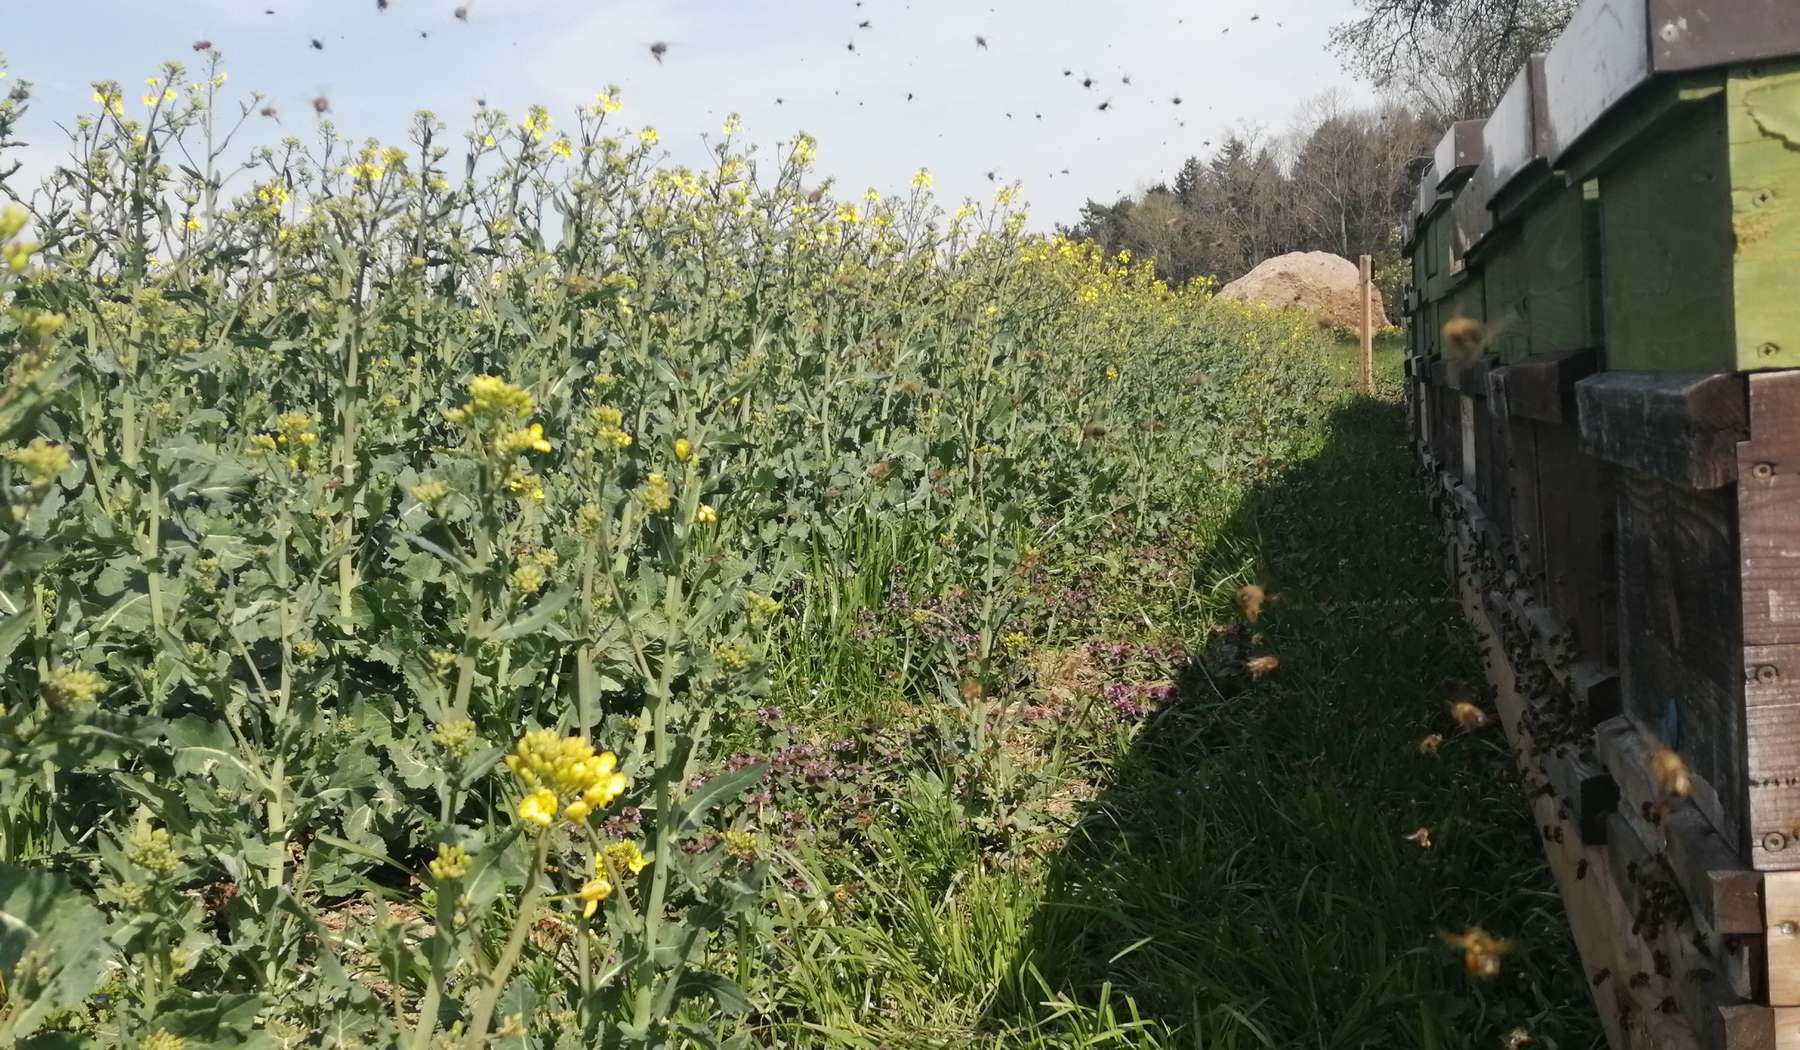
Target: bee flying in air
[
  {"x": 909, "y": 96},
  {"x": 321, "y": 105},
  {"x": 317, "y": 44},
  {"x": 851, "y": 46},
  {"x": 202, "y": 45},
  {"x": 990, "y": 176},
  {"x": 1176, "y": 101},
  {"x": 864, "y": 24},
  {"x": 1255, "y": 18},
  {"x": 1429, "y": 745},
  {"x": 1467, "y": 716},
  {"x": 1068, "y": 72},
  {"x": 1126, "y": 80},
  {"x": 269, "y": 111},
  {"x": 658, "y": 50},
  {"x": 1481, "y": 951},
  {"x": 1260, "y": 667},
  {"x": 981, "y": 42},
  {"x": 1087, "y": 82},
  {"x": 461, "y": 13},
  {"x": 1250, "y": 598},
  {"x": 1670, "y": 773},
  {"x": 381, "y": 5},
  {"x": 1104, "y": 106},
  {"x": 1465, "y": 338}
]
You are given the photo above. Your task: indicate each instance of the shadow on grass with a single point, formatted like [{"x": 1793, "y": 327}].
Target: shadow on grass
[{"x": 1244, "y": 875}]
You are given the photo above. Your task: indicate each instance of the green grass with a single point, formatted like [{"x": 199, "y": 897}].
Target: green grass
[{"x": 1234, "y": 873}]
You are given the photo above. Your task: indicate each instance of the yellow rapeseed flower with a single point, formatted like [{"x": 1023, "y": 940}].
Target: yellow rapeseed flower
[{"x": 538, "y": 807}]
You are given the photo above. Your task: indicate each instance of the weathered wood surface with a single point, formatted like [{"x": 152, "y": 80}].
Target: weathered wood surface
[
  {"x": 1611, "y": 951},
  {"x": 1517, "y": 135},
  {"x": 1576, "y": 507},
  {"x": 1680, "y": 660},
  {"x": 1681, "y": 427},
  {"x": 1687, "y": 966},
  {"x": 1768, "y": 513},
  {"x": 1781, "y": 919},
  {"x": 1598, "y": 60},
  {"x": 1696, "y": 34},
  {"x": 1762, "y": 118},
  {"x": 1542, "y": 386},
  {"x": 1724, "y": 893}
]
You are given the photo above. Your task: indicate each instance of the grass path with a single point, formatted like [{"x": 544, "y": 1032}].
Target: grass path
[{"x": 1235, "y": 872}]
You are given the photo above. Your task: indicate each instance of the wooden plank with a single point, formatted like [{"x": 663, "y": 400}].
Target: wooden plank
[
  {"x": 1763, "y": 126},
  {"x": 1781, "y": 918},
  {"x": 1601, "y": 58},
  {"x": 1768, "y": 512},
  {"x": 1681, "y": 427},
  {"x": 1667, "y": 247},
  {"x": 1722, "y": 890},
  {"x": 1681, "y": 653},
  {"x": 1542, "y": 386},
  {"x": 1695, "y": 34},
  {"x": 1684, "y": 967},
  {"x": 1579, "y": 870},
  {"x": 1558, "y": 258},
  {"x": 1577, "y": 508},
  {"x": 1517, "y": 133},
  {"x": 1522, "y": 475}
]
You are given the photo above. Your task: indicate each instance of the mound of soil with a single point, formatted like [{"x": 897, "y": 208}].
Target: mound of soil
[{"x": 1320, "y": 283}]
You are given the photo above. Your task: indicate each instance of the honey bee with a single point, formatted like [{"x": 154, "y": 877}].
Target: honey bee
[
  {"x": 461, "y": 13},
  {"x": 1516, "y": 1038},
  {"x": 981, "y": 42},
  {"x": 202, "y": 45},
  {"x": 317, "y": 44},
  {"x": 1481, "y": 951},
  {"x": 1420, "y": 838},
  {"x": 1260, "y": 667},
  {"x": 1250, "y": 599},
  {"x": 661, "y": 48},
  {"x": 1464, "y": 339},
  {"x": 970, "y": 689},
  {"x": 1670, "y": 773},
  {"x": 1467, "y": 716},
  {"x": 1429, "y": 745},
  {"x": 321, "y": 105}
]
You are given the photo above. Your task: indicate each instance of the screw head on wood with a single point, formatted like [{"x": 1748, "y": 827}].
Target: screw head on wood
[
  {"x": 1774, "y": 842},
  {"x": 1763, "y": 471},
  {"x": 1768, "y": 350},
  {"x": 1788, "y": 929}
]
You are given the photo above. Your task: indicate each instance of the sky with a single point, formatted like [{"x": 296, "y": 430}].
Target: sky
[{"x": 1007, "y": 108}]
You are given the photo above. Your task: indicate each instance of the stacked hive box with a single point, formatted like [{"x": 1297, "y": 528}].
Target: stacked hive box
[{"x": 1617, "y": 458}]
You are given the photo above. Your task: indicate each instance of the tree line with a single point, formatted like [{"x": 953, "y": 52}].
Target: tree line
[{"x": 1341, "y": 179}]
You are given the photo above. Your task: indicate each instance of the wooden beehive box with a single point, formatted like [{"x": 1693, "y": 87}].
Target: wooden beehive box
[{"x": 1684, "y": 113}]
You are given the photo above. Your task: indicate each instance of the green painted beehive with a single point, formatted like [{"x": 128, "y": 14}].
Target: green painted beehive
[{"x": 1694, "y": 148}]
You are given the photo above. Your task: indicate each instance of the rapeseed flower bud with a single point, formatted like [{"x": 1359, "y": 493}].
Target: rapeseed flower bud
[
  {"x": 41, "y": 462},
  {"x": 655, "y": 494},
  {"x": 64, "y": 689},
  {"x": 451, "y": 863},
  {"x": 150, "y": 849}
]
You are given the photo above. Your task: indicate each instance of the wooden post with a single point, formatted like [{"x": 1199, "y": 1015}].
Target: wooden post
[{"x": 1367, "y": 268}]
